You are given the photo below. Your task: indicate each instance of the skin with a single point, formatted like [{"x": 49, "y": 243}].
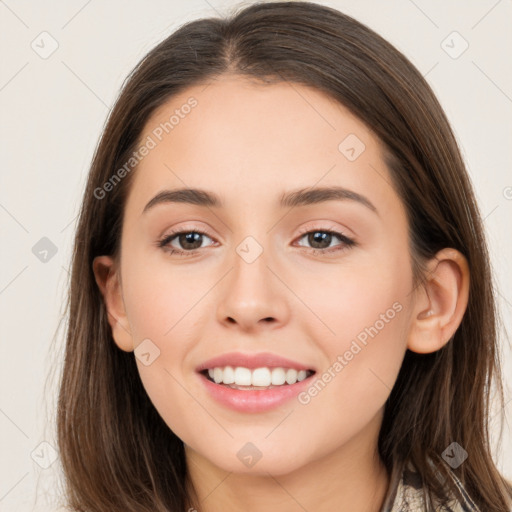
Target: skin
[{"x": 249, "y": 143}]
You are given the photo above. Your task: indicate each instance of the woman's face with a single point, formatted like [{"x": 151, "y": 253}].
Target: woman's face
[{"x": 322, "y": 279}]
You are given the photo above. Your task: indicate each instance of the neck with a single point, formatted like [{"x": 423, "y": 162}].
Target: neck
[{"x": 349, "y": 479}]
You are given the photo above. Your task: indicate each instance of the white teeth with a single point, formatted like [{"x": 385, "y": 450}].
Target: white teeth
[
  {"x": 278, "y": 376},
  {"x": 291, "y": 376},
  {"x": 228, "y": 375},
  {"x": 217, "y": 375},
  {"x": 242, "y": 376},
  {"x": 259, "y": 377}
]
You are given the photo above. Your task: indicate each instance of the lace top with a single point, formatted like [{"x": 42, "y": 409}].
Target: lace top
[{"x": 406, "y": 494}]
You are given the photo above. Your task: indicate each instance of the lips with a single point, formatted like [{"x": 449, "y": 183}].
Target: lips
[
  {"x": 253, "y": 399},
  {"x": 256, "y": 400},
  {"x": 252, "y": 361}
]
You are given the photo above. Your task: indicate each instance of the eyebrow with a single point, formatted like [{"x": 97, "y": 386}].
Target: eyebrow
[{"x": 291, "y": 199}]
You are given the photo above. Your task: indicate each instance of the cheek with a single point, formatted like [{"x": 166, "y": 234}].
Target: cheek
[
  {"x": 355, "y": 296},
  {"x": 365, "y": 310},
  {"x": 160, "y": 306},
  {"x": 158, "y": 297},
  {"x": 163, "y": 305}
]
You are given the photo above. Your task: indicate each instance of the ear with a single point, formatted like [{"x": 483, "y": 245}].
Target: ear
[
  {"x": 441, "y": 301},
  {"x": 108, "y": 279}
]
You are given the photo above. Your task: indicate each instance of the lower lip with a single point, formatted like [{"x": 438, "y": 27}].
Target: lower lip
[{"x": 254, "y": 401}]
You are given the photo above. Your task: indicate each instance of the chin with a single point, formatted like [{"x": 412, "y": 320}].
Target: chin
[{"x": 249, "y": 460}]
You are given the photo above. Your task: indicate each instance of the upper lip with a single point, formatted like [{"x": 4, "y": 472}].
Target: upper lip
[{"x": 251, "y": 361}]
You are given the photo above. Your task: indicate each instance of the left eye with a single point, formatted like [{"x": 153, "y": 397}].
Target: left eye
[{"x": 321, "y": 239}]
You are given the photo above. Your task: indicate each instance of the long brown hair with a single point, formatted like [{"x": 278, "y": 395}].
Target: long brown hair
[{"x": 116, "y": 451}]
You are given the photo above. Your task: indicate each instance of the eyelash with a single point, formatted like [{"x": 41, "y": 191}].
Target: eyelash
[{"x": 347, "y": 242}]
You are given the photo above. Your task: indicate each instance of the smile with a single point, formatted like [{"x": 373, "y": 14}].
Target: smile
[
  {"x": 254, "y": 399},
  {"x": 258, "y": 378}
]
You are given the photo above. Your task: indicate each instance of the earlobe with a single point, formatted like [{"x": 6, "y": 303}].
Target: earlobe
[
  {"x": 440, "y": 302},
  {"x": 108, "y": 280}
]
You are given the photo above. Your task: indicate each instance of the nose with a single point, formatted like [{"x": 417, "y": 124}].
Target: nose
[{"x": 253, "y": 296}]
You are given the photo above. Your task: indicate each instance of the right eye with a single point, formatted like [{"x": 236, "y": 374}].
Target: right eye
[{"x": 190, "y": 241}]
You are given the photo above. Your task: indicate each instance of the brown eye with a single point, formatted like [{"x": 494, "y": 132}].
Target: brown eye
[
  {"x": 320, "y": 240},
  {"x": 183, "y": 241},
  {"x": 190, "y": 240}
]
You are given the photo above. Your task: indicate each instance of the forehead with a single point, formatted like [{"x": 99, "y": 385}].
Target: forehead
[{"x": 236, "y": 135}]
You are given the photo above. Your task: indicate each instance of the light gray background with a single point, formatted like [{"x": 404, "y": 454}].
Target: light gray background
[{"x": 53, "y": 111}]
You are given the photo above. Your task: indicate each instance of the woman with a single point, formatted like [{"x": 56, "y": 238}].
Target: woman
[{"x": 328, "y": 339}]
